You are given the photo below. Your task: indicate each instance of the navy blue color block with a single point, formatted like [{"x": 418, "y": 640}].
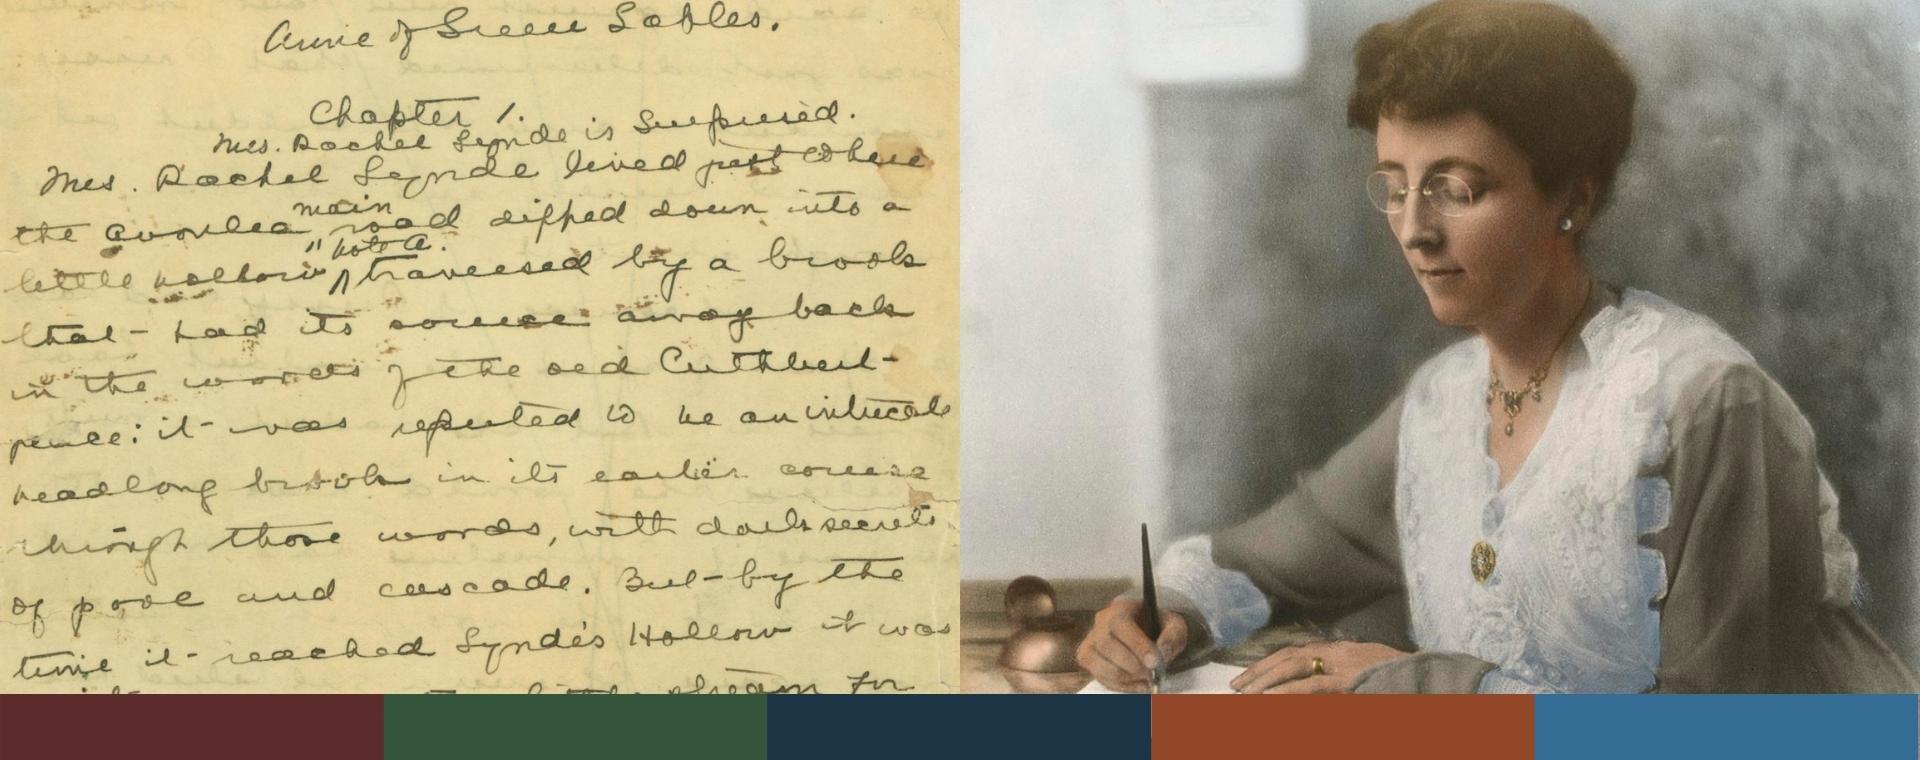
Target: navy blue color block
[
  {"x": 1746, "y": 726},
  {"x": 970, "y": 726}
]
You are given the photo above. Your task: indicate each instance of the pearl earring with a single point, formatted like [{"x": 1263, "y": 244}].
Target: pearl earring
[{"x": 1566, "y": 224}]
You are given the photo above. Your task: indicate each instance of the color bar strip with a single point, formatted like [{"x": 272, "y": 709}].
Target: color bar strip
[{"x": 1200, "y": 726}]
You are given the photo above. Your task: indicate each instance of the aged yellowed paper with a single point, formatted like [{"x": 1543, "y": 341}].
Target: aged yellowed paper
[{"x": 513, "y": 346}]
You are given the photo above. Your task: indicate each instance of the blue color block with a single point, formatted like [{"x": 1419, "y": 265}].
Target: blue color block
[
  {"x": 970, "y": 726},
  {"x": 1745, "y": 726}
]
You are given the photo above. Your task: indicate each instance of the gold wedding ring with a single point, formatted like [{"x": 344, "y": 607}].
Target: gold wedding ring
[{"x": 1319, "y": 667}]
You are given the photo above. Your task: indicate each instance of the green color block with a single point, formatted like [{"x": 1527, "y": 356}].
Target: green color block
[{"x": 646, "y": 726}]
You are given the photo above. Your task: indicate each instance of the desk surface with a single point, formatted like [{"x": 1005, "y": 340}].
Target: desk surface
[{"x": 984, "y": 629}]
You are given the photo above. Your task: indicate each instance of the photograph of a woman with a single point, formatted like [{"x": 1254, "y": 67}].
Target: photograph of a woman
[{"x": 1595, "y": 490}]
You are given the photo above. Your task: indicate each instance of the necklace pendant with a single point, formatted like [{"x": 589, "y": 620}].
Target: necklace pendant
[
  {"x": 1512, "y": 401},
  {"x": 1509, "y": 428},
  {"x": 1482, "y": 561}
]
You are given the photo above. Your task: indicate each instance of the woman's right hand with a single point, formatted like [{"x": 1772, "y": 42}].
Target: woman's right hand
[{"x": 1116, "y": 650}]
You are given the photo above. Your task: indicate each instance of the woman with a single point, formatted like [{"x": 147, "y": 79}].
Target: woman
[{"x": 1598, "y": 491}]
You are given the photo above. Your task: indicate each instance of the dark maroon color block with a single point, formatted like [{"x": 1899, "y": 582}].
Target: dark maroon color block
[{"x": 285, "y": 727}]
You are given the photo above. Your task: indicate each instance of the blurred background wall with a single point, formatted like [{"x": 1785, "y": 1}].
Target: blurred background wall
[
  {"x": 1770, "y": 186},
  {"x": 1062, "y": 439}
]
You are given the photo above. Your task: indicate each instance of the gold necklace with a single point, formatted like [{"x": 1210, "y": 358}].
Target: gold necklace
[
  {"x": 1483, "y": 559},
  {"x": 1512, "y": 401}
]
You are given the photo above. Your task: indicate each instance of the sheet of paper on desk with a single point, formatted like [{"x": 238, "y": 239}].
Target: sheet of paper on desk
[
  {"x": 356, "y": 345},
  {"x": 1211, "y": 678}
]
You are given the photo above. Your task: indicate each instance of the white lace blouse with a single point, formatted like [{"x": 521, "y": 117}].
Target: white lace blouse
[{"x": 1582, "y": 536}]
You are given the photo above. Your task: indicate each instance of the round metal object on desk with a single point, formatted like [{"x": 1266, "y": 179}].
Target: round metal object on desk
[
  {"x": 1029, "y": 598},
  {"x": 1045, "y": 645}
]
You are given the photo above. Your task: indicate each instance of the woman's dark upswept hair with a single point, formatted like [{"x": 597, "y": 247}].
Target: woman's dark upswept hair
[{"x": 1538, "y": 73}]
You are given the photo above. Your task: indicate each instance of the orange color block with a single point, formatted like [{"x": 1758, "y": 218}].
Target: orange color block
[{"x": 1227, "y": 726}]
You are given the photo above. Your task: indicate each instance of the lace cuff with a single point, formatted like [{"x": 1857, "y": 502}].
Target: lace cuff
[{"x": 1227, "y": 600}]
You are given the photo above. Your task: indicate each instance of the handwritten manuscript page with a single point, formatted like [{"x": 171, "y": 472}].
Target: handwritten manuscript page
[{"x": 519, "y": 346}]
